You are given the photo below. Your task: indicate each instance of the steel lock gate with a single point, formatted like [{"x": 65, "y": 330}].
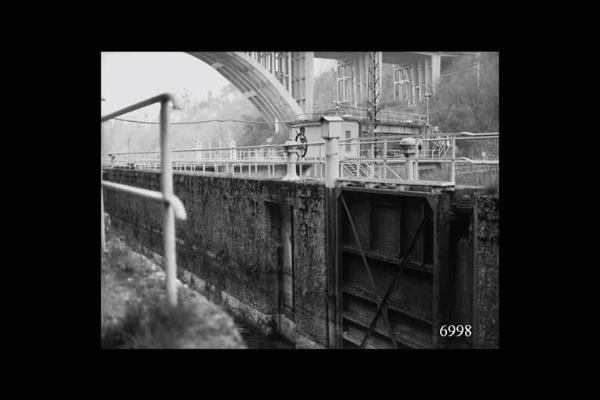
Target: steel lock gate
[{"x": 392, "y": 255}]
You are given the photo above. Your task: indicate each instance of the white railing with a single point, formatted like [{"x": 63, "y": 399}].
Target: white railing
[
  {"x": 173, "y": 208},
  {"x": 384, "y": 158},
  {"x": 363, "y": 113},
  {"x": 269, "y": 161},
  {"x": 381, "y": 158}
]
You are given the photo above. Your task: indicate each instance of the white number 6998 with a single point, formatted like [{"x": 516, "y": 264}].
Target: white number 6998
[{"x": 455, "y": 330}]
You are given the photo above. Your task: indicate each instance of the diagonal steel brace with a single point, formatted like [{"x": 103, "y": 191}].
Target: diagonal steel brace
[
  {"x": 392, "y": 285},
  {"x": 368, "y": 268}
]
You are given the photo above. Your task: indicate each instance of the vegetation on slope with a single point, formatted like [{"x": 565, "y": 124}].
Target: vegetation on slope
[{"x": 135, "y": 313}]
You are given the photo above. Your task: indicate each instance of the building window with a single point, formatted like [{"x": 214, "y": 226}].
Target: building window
[
  {"x": 402, "y": 84},
  {"x": 348, "y": 146},
  {"x": 344, "y": 82}
]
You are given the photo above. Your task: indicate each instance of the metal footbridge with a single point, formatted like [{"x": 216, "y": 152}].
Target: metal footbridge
[{"x": 380, "y": 159}]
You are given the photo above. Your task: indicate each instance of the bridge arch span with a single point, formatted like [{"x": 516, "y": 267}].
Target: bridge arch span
[{"x": 255, "y": 82}]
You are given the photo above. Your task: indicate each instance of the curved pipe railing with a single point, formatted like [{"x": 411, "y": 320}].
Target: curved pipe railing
[
  {"x": 173, "y": 206},
  {"x": 161, "y": 98},
  {"x": 178, "y": 207}
]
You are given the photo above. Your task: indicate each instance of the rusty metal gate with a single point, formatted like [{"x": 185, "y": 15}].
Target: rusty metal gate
[{"x": 392, "y": 267}]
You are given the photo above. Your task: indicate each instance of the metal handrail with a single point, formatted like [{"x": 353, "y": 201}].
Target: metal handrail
[
  {"x": 477, "y": 162},
  {"x": 363, "y": 151},
  {"x": 161, "y": 98},
  {"x": 173, "y": 200},
  {"x": 173, "y": 206}
]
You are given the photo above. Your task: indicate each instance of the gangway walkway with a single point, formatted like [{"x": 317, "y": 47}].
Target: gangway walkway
[{"x": 380, "y": 158}]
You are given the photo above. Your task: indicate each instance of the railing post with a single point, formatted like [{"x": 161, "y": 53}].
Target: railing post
[
  {"x": 291, "y": 147},
  {"x": 169, "y": 216},
  {"x": 331, "y": 128},
  {"x": 416, "y": 171},
  {"x": 409, "y": 170},
  {"x": 410, "y": 149}
]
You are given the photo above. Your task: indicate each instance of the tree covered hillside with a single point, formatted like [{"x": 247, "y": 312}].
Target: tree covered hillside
[{"x": 123, "y": 136}]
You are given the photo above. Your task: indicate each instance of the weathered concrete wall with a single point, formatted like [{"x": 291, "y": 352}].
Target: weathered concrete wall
[
  {"x": 227, "y": 249},
  {"x": 487, "y": 290}
]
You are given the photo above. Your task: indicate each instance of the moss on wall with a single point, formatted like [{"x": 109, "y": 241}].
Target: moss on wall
[
  {"x": 487, "y": 290},
  {"x": 227, "y": 239}
]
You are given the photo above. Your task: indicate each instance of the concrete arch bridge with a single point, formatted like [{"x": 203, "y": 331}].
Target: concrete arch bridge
[{"x": 280, "y": 84}]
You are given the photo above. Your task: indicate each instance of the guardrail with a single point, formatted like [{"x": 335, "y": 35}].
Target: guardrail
[
  {"x": 385, "y": 158},
  {"x": 173, "y": 206},
  {"x": 381, "y": 158},
  {"x": 363, "y": 113},
  {"x": 272, "y": 161}
]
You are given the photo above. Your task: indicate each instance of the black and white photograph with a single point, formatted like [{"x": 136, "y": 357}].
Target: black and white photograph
[{"x": 300, "y": 200}]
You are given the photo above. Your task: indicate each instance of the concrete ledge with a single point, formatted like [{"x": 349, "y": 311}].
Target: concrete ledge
[
  {"x": 193, "y": 281},
  {"x": 262, "y": 321},
  {"x": 302, "y": 342}
]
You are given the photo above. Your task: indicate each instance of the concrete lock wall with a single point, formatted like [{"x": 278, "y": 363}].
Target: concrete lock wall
[{"x": 229, "y": 248}]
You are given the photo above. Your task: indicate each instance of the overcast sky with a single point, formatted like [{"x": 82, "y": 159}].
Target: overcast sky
[{"x": 128, "y": 77}]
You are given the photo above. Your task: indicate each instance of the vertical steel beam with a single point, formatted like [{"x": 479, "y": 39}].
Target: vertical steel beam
[
  {"x": 338, "y": 306},
  {"x": 371, "y": 279},
  {"x": 441, "y": 273},
  {"x": 475, "y": 310},
  {"x": 332, "y": 287},
  {"x": 381, "y": 305}
]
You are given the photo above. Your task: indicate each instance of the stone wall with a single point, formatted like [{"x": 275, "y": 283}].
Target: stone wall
[{"x": 227, "y": 248}]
